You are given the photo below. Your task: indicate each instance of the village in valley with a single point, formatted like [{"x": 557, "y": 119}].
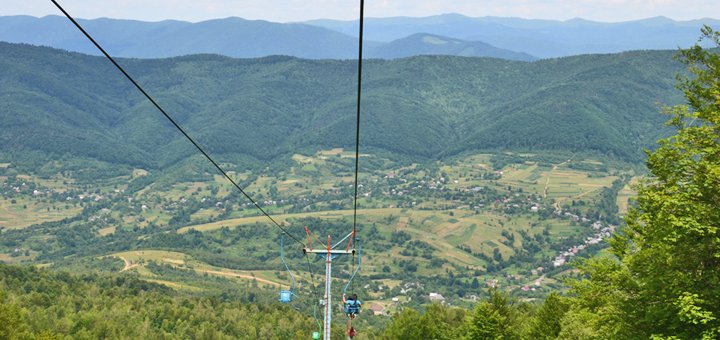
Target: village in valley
[{"x": 480, "y": 222}]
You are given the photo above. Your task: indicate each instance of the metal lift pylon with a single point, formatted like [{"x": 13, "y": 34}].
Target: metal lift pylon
[{"x": 329, "y": 253}]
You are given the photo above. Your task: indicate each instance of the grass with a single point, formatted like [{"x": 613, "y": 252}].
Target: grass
[
  {"x": 157, "y": 216},
  {"x": 175, "y": 285},
  {"x": 432, "y": 227},
  {"x": 324, "y": 154},
  {"x": 520, "y": 174},
  {"x": 55, "y": 183},
  {"x": 565, "y": 184},
  {"x": 138, "y": 259},
  {"x": 443, "y": 230},
  {"x": 152, "y": 255},
  {"x": 28, "y": 211},
  {"x": 303, "y": 159},
  {"x": 139, "y": 173},
  {"x": 107, "y": 231},
  {"x": 205, "y": 214},
  {"x": 440, "y": 235},
  {"x": 332, "y": 152},
  {"x": 561, "y": 228},
  {"x": 558, "y": 182},
  {"x": 231, "y": 223},
  {"x": 391, "y": 283}
]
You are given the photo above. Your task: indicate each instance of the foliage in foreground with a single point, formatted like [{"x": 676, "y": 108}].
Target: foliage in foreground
[
  {"x": 37, "y": 303},
  {"x": 666, "y": 282},
  {"x": 497, "y": 317}
]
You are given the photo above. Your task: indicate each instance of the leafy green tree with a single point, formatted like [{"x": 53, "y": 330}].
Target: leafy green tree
[
  {"x": 438, "y": 322},
  {"x": 604, "y": 303},
  {"x": 43, "y": 304},
  {"x": 582, "y": 325},
  {"x": 666, "y": 281},
  {"x": 496, "y": 318},
  {"x": 405, "y": 325},
  {"x": 11, "y": 319},
  {"x": 546, "y": 323}
]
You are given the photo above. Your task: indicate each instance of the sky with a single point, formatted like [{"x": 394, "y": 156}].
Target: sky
[{"x": 300, "y": 10}]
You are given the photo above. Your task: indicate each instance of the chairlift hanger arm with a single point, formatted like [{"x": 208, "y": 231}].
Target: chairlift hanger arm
[{"x": 351, "y": 234}]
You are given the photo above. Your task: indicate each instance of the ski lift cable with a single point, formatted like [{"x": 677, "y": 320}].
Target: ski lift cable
[
  {"x": 189, "y": 138},
  {"x": 177, "y": 126},
  {"x": 282, "y": 258},
  {"x": 357, "y": 126},
  {"x": 357, "y": 119},
  {"x": 314, "y": 290}
]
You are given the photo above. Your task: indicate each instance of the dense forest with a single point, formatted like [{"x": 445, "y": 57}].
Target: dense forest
[
  {"x": 42, "y": 304},
  {"x": 36, "y": 303},
  {"x": 422, "y": 107}
]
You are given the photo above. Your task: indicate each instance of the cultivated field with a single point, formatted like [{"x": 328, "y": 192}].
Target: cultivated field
[
  {"x": 335, "y": 214},
  {"x": 26, "y": 212},
  {"x": 137, "y": 260}
]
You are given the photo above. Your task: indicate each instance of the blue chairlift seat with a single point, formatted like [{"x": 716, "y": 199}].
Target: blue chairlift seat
[
  {"x": 286, "y": 296},
  {"x": 352, "y": 307}
]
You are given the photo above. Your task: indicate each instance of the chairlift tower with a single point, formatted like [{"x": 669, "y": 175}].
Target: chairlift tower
[{"x": 329, "y": 253}]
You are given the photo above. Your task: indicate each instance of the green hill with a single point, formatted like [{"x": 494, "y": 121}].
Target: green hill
[{"x": 61, "y": 103}]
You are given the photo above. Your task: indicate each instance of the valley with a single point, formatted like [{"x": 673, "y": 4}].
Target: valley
[
  {"x": 473, "y": 175},
  {"x": 458, "y": 226}
]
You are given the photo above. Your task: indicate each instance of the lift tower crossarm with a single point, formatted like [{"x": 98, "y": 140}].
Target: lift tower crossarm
[{"x": 332, "y": 251}]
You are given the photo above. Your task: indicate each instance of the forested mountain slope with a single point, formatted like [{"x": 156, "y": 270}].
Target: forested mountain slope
[{"x": 56, "y": 102}]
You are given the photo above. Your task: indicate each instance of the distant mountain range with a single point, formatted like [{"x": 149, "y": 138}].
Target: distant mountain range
[
  {"x": 59, "y": 105},
  {"x": 431, "y": 44},
  {"x": 449, "y": 34},
  {"x": 232, "y": 37},
  {"x": 540, "y": 38}
]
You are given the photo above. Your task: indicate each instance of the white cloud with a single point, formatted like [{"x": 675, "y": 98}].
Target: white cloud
[{"x": 298, "y": 10}]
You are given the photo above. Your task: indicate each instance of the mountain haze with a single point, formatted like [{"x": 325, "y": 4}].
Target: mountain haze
[
  {"x": 540, "y": 38},
  {"x": 234, "y": 37},
  {"x": 507, "y": 38},
  {"x": 67, "y": 103}
]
